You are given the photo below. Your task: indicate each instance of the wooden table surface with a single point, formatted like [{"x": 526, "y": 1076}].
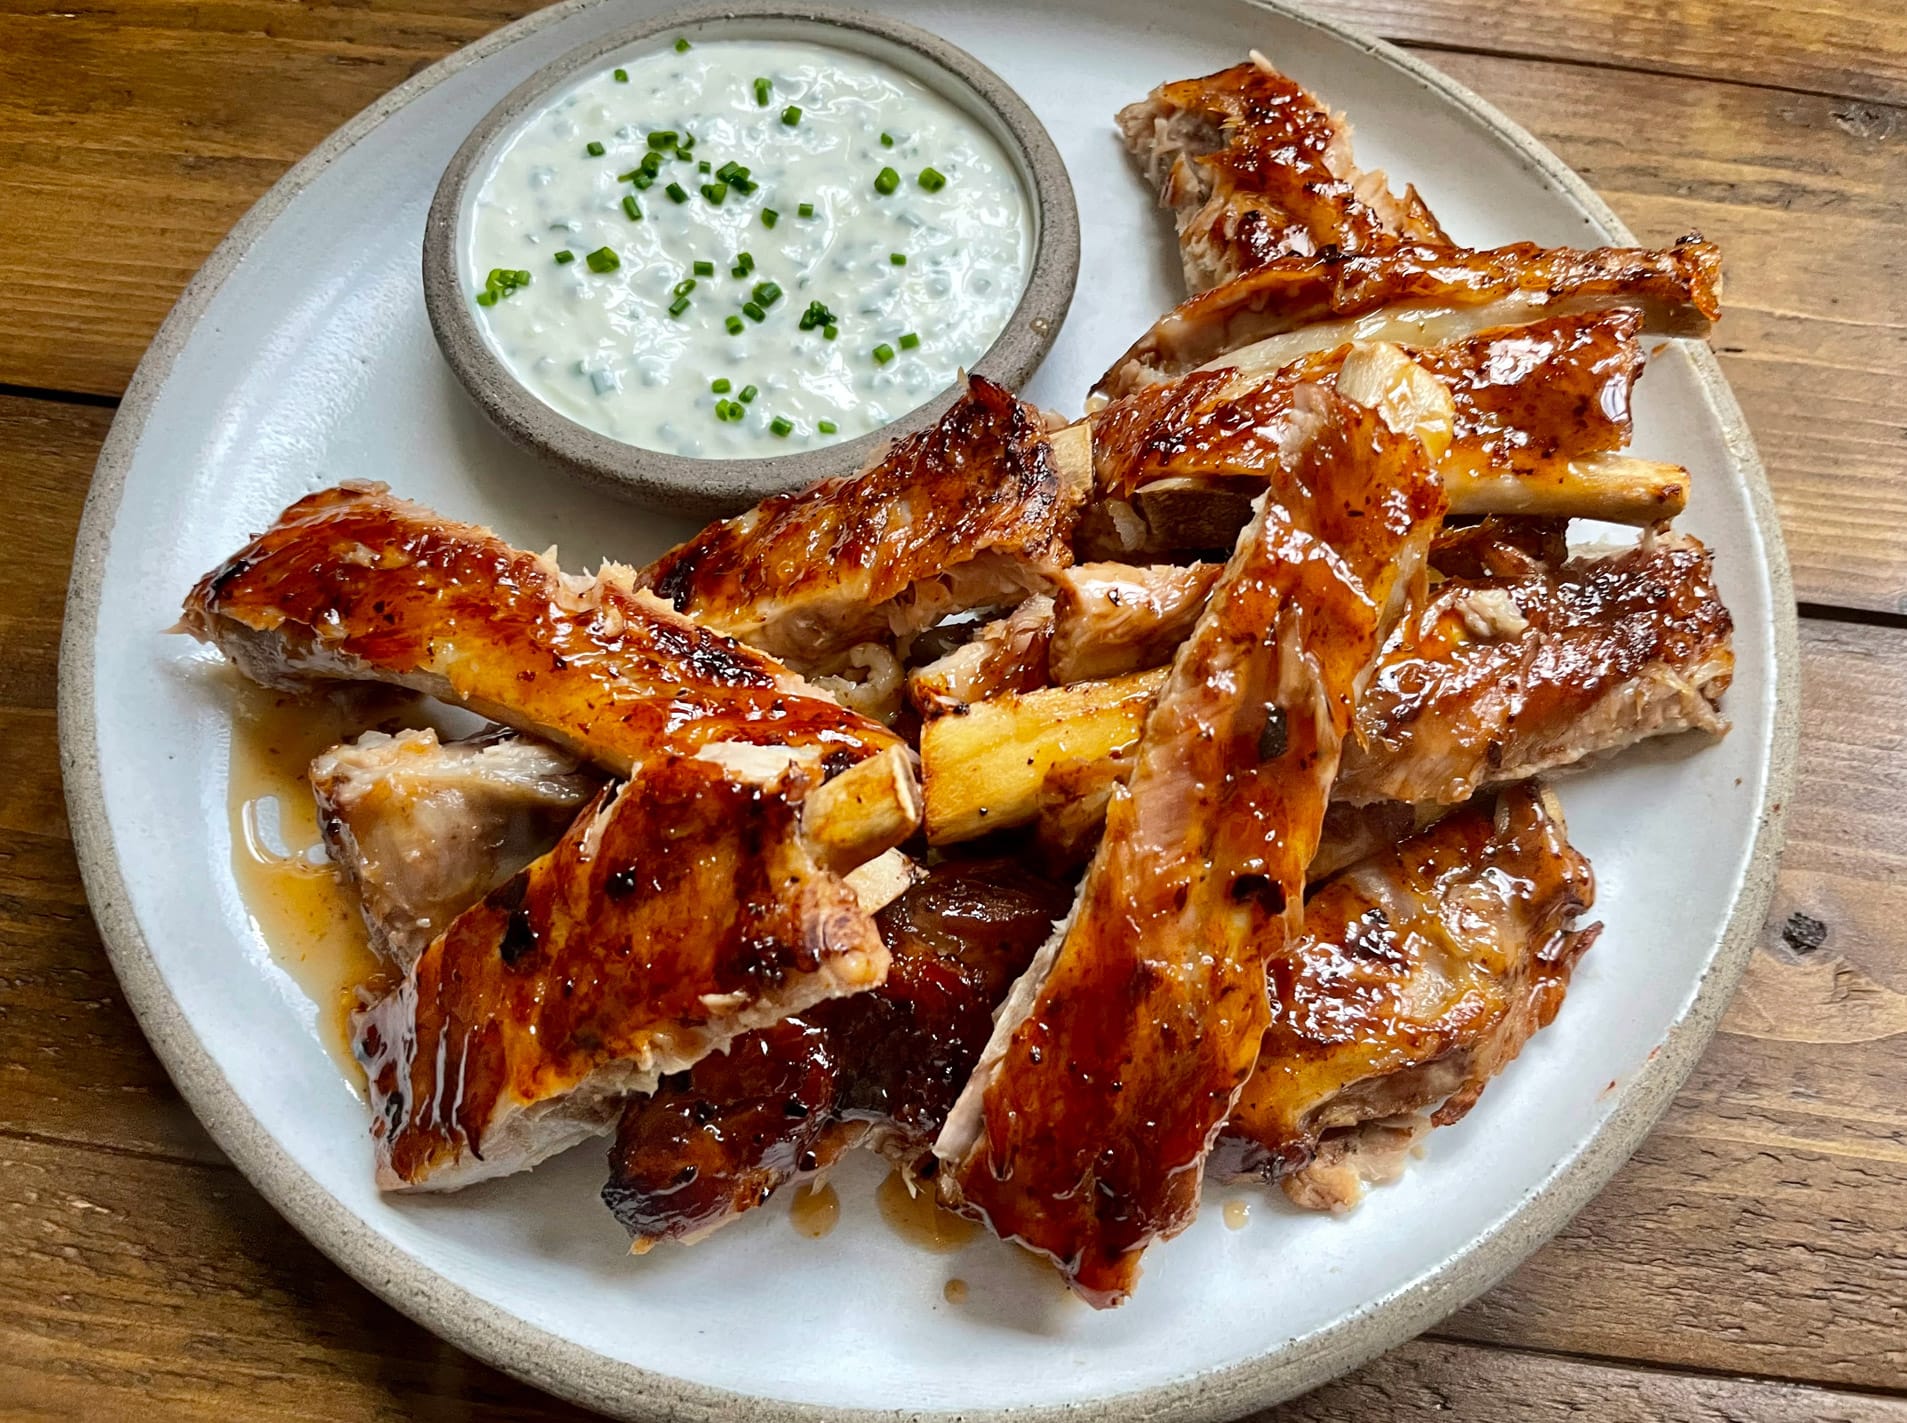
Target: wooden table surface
[{"x": 1750, "y": 1263}]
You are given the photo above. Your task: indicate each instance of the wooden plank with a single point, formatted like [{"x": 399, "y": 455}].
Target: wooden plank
[
  {"x": 1834, "y": 47},
  {"x": 160, "y": 122},
  {"x": 1763, "y": 1227},
  {"x": 132, "y": 1283}
]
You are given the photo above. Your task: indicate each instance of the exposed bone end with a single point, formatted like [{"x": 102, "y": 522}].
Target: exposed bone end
[
  {"x": 867, "y": 809},
  {"x": 1614, "y": 488}
]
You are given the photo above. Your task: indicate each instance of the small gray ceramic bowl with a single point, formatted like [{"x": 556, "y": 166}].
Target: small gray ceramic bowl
[{"x": 722, "y": 486}]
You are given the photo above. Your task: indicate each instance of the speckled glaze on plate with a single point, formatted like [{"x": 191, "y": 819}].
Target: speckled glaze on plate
[
  {"x": 711, "y": 487},
  {"x": 301, "y": 354}
]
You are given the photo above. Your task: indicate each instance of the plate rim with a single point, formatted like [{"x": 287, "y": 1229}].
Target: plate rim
[{"x": 573, "y": 1372}]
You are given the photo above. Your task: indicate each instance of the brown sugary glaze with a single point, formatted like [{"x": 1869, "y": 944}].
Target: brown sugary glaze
[
  {"x": 352, "y": 584},
  {"x": 973, "y": 507},
  {"x": 677, "y": 913},
  {"x": 1502, "y": 677},
  {"x": 783, "y": 1102},
  {"x": 1421, "y": 973},
  {"x": 1084, "y": 1132},
  {"x": 1257, "y": 168},
  {"x": 1677, "y": 290}
]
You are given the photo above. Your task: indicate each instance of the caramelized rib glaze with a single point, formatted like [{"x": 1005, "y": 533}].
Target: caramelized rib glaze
[{"x": 1084, "y": 1131}]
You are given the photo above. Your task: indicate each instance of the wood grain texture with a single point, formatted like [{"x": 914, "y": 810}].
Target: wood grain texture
[{"x": 1847, "y": 48}]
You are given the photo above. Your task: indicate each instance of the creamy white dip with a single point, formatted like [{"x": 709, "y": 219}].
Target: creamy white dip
[{"x": 919, "y": 269}]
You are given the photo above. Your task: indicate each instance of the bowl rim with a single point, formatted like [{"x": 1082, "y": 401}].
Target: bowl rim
[{"x": 710, "y": 488}]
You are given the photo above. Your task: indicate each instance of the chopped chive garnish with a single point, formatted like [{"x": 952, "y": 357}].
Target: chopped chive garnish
[
  {"x": 738, "y": 271},
  {"x": 721, "y": 385},
  {"x": 887, "y": 140},
  {"x": 664, "y": 139},
  {"x": 683, "y": 287},
  {"x": 603, "y": 259},
  {"x": 749, "y": 393},
  {"x": 883, "y": 353},
  {"x": 629, "y": 206},
  {"x": 932, "y": 179},
  {"x": 826, "y": 427},
  {"x": 704, "y": 269},
  {"x": 830, "y": 331},
  {"x": 715, "y": 192},
  {"x": 642, "y": 182},
  {"x": 651, "y": 163},
  {"x": 565, "y": 257},
  {"x": 909, "y": 341},
  {"x": 782, "y": 426},
  {"x": 762, "y": 90},
  {"x": 753, "y": 311},
  {"x": 769, "y": 217},
  {"x": 681, "y": 45},
  {"x": 703, "y": 166},
  {"x": 678, "y": 306},
  {"x": 594, "y": 149},
  {"x": 791, "y": 116},
  {"x": 817, "y": 314},
  {"x": 486, "y": 298},
  {"x": 767, "y": 293},
  {"x": 687, "y": 144},
  {"x": 630, "y": 176},
  {"x": 898, "y": 259},
  {"x": 677, "y": 193},
  {"x": 886, "y": 181},
  {"x": 806, "y": 209},
  {"x": 730, "y": 171},
  {"x": 744, "y": 185},
  {"x": 622, "y": 76},
  {"x": 745, "y": 260},
  {"x": 734, "y": 325},
  {"x": 682, "y": 155}
]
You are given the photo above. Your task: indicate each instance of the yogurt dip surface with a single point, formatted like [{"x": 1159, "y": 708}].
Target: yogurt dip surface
[{"x": 731, "y": 249}]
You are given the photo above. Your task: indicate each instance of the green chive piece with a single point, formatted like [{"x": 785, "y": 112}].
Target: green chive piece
[
  {"x": 704, "y": 269},
  {"x": 594, "y": 149},
  {"x": 721, "y": 385},
  {"x": 806, "y": 209},
  {"x": 738, "y": 270},
  {"x": 762, "y": 90},
  {"x": 767, "y": 293},
  {"x": 898, "y": 259},
  {"x": 887, "y": 140},
  {"x": 642, "y": 182},
  {"x": 932, "y": 179},
  {"x": 886, "y": 181},
  {"x": 651, "y": 163},
  {"x": 565, "y": 257},
  {"x": 744, "y": 264},
  {"x": 703, "y": 166},
  {"x": 769, "y": 217},
  {"x": 486, "y": 298},
  {"x": 826, "y": 427},
  {"x": 749, "y": 393},
  {"x": 909, "y": 341},
  {"x": 715, "y": 192},
  {"x": 684, "y": 287},
  {"x": 817, "y": 314},
  {"x": 687, "y": 143},
  {"x": 629, "y": 206},
  {"x": 734, "y": 325},
  {"x": 782, "y": 426},
  {"x": 678, "y": 306},
  {"x": 681, "y": 45},
  {"x": 664, "y": 139},
  {"x": 791, "y": 116},
  {"x": 630, "y": 176},
  {"x": 830, "y": 331},
  {"x": 677, "y": 193},
  {"x": 883, "y": 353},
  {"x": 753, "y": 311},
  {"x": 603, "y": 259},
  {"x": 730, "y": 171},
  {"x": 622, "y": 76}
]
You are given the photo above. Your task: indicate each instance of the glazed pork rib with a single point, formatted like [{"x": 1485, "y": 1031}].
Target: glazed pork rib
[
  {"x": 1254, "y": 168},
  {"x": 1083, "y": 1131},
  {"x": 1421, "y": 973},
  {"x": 880, "y": 1068},
  {"x": 353, "y": 585},
  {"x": 1418, "y": 295},
  {"x": 683, "y": 909},
  {"x": 973, "y": 512}
]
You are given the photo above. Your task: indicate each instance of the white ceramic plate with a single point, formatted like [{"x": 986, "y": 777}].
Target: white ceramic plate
[{"x": 301, "y": 356}]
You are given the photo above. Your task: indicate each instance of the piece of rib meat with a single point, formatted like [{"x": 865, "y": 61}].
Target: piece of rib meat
[
  {"x": 881, "y": 1067},
  {"x": 974, "y": 511},
  {"x": 1114, "y": 618},
  {"x": 1254, "y": 168},
  {"x": 1501, "y": 678},
  {"x": 1421, "y": 973},
  {"x": 1006, "y": 654},
  {"x": 353, "y": 585},
  {"x": 1083, "y": 1132},
  {"x": 421, "y": 828},
  {"x": 683, "y": 909},
  {"x": 1417, "y": 295}
]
